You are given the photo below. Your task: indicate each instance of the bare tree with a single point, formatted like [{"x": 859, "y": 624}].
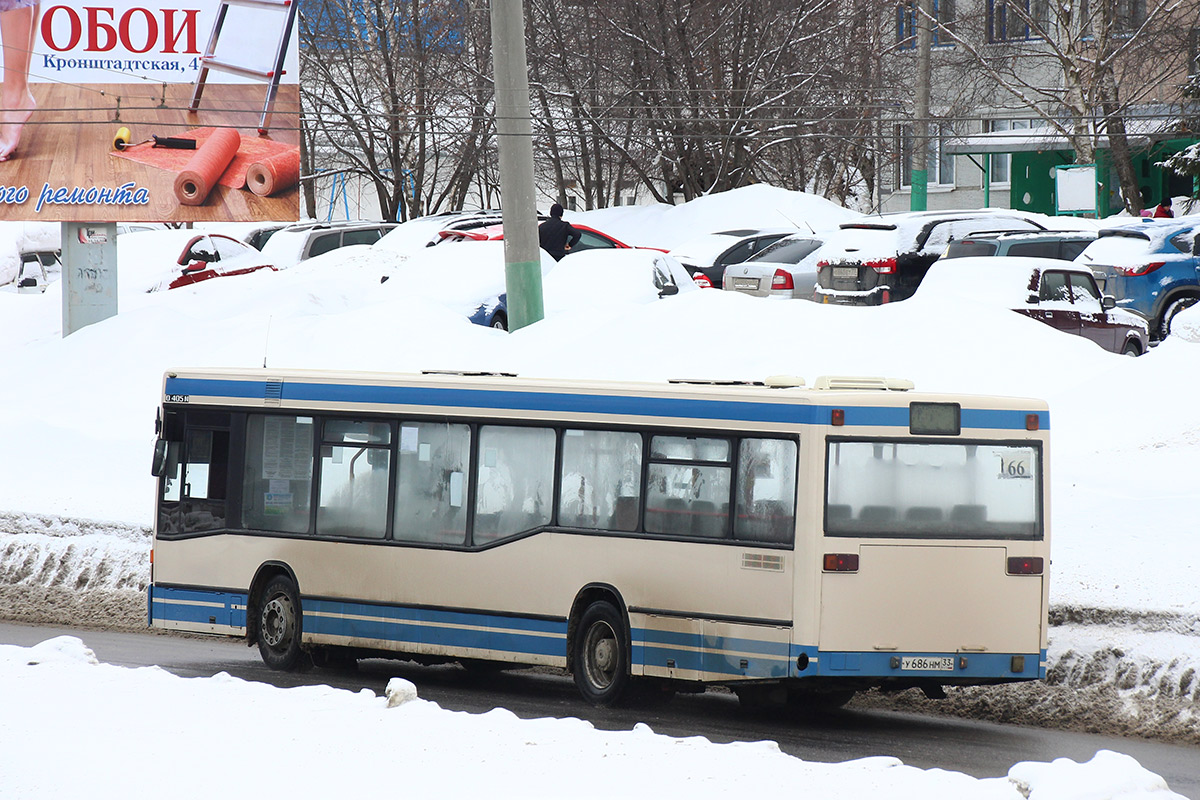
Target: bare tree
[{"x": 1080, "y": 67}]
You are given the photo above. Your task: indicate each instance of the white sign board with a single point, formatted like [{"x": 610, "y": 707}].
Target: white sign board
[{"x": 1075, "y": 189}]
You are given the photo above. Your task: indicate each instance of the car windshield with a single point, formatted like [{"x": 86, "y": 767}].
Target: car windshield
[{"x": 791, "y": 251}]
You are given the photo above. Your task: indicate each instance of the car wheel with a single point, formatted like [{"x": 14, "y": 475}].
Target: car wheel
[
  {"x": 279, "y": 622},
  {"x": 1172, "y": 310},
  {"x": 1132, "y": 348},
  {"x": 500, "y": 322},
  {"x": 601, "y": 668}
]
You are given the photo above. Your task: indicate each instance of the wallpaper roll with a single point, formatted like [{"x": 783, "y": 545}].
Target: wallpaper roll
[
  {"x": 198, "y": 178},
  {"x": 274, "y": 174}
]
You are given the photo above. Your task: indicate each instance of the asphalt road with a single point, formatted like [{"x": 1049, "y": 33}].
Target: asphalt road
[{"x": 982, "y": 749}]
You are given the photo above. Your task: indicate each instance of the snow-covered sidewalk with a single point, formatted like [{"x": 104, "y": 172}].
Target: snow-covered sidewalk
[{"x": 75, "y": 728}]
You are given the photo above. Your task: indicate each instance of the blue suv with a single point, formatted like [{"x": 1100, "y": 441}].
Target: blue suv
[{"x": 1152, "y": 267}]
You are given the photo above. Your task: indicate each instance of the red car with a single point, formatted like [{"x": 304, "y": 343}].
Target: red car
[
  {"x": 589, "y": 239},
  {"x": 214, "y": 255}
]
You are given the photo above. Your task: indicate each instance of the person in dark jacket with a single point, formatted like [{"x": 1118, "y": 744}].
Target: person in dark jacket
[
  {"x": 1164, "y": 209},
  {"x": 555, "y": 236}
]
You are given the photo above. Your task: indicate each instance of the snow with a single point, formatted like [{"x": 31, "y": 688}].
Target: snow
[
  {"x": 125, "y": 728},
  {"x": 77, "y": 425}
]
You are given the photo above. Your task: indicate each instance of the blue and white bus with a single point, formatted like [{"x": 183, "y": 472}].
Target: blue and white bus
[{"x": 793, "y": 543}]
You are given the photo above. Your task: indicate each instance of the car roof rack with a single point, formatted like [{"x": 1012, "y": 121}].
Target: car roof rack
[{"x": 840, "y": 382}]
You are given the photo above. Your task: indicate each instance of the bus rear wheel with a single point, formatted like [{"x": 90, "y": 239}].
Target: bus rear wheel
[
  {"x": 602, "y": 657},
  {"x": 279, "y": 620}
]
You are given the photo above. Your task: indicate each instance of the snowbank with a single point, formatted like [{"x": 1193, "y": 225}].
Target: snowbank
[{"x": 130, "y": 729}]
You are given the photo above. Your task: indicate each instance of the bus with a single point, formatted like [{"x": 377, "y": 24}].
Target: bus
[{"x": 793, "y": 543}]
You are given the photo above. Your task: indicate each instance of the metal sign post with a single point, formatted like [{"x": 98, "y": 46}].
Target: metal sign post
[{"x": 89, "y": 274}]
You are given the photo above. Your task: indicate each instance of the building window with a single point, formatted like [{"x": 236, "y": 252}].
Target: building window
[
  {"x": 1001, "y": 166},
  {"x": 1130, "y": 15},
  {"x": 1017, "y": 20},
  {"x": 906, "y": 23},
  {"x": 939, "y": 164}
]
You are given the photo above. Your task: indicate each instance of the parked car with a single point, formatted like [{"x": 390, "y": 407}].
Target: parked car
[
  {"x": 629, "y": 274},
  {"x": 1063, "y": 245},
  {"x": 295, "y": 243},
  {"x": 710, "y": 254},
  {"x": 213, "y": 255},
  {"x": 409, "y": 237},
  {"x": 1063, "y": 295},
  {"x": 787, "y": 268},
  {"x": 589, "y": 238},
  {"x": 1152, "y": 267},
  {"x": 883, "y": 259}
]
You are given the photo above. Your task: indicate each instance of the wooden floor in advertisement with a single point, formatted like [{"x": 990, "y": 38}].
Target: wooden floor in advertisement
[{"x": 66, "y": 150}]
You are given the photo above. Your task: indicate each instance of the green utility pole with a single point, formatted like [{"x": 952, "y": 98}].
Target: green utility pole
[
  {"x": 522, "y": 256},
  {"x": 919, "y": 189}
]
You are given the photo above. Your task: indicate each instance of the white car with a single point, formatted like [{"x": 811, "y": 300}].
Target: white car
[
  {"x": 710, "y": 254},
  {"x": 787, "y": 268}
]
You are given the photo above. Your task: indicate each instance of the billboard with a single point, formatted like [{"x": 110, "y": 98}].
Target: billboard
[{"x": 127, "y": 112}]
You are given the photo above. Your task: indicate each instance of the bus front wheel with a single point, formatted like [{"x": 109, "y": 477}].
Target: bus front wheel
[
  {"x": 279, "y": 624},
  {"x": 602, "y": 656}
]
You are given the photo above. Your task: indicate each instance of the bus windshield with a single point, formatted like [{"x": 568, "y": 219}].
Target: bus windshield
[{"x": 933, "y": 490}]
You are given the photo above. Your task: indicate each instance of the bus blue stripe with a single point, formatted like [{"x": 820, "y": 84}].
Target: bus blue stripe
[
  {"x": 526, "y": 636},
  {"x": 678, "y": 408}
]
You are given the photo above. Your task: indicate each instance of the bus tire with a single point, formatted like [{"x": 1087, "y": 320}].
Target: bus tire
[
  {"x": 279, "y": 624},
  {"x": 602, "y": 655}
]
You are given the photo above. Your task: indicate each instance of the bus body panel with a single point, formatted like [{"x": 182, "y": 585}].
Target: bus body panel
[
  {"x": 415, "y": 599},
  {"x": 930, "y": 598}
]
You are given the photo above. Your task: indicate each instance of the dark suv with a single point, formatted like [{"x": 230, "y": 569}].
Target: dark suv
[
  {"x": 882, "y": 259},
  {"x": 1061, "y": 245}
]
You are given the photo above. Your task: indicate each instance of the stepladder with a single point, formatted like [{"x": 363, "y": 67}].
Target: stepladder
[{"x": 271, "y": 75}]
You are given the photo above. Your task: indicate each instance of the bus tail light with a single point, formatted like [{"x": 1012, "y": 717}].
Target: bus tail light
[
  {"x": 782, "y": 280},
  {"x": 1022, "y": 565},
  {"x": 1144, "y": 269},
  {"x": 1032, "y": 422},
  {"x": 837, "y": 417},
  {"x": 841, "y": 562}
]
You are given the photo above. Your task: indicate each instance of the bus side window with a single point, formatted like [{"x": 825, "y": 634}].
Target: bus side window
[
  {"x": 277, "y": 477},
  {"x": 766, "y": 490},
  {"x": 515, "y": 481},
  {"x": 432, "y": 481},
  {"x": 688, "y": 485},
  {"x": 601, "y": 480}
]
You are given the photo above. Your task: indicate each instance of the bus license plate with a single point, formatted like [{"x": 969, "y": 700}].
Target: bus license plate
[
  {"x": 846, "y": 273},
  {"x": 937, "y": 664}
]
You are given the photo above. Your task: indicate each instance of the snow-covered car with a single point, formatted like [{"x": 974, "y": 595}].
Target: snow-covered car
[
  {"x": 295, "y": 243},
  {"x": 597, "y": 281},
  {"x": 411, "y": 236},
  {"x": 589, "y": 238},
  {"x": 787, "y": 268},
  {"x": 1062, "y": 294},
  {"x": 710, "y": 254},
  {"x": 211, "y": 255},
  {"x": 882, "y": 259}
]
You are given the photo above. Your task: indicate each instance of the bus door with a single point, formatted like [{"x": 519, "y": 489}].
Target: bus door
[
  {"x": 195, "y": 472},
  {"x": 928, "y": 553}
]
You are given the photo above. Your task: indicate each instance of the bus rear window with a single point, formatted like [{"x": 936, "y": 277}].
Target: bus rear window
[{"x": 933, "y": 490}]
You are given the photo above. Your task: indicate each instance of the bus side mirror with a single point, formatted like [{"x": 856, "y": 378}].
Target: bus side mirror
[{"x": 159, "y": 463}]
